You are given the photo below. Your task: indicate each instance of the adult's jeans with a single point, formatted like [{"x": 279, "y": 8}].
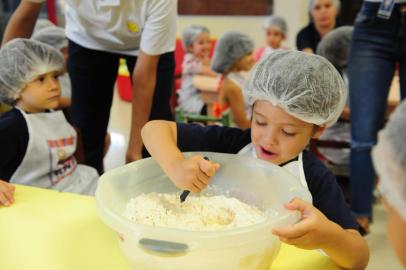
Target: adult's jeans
[
  {"x": 93, "y": 74},
  {"x": 377, "y": 45}
]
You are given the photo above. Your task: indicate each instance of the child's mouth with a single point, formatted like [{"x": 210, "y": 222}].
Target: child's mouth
[{"x": 267, "y": 154}]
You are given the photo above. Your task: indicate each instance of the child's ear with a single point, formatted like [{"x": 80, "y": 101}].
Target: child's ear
[{"x": 318, "y": 130}]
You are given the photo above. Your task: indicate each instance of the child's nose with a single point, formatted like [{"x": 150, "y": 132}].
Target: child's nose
[{"x": 53, "y": 84}]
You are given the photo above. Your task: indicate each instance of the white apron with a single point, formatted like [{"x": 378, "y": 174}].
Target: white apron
[
  {"x": 48, "y": 161},
  {"x": 239, "y": 79},
  {"x": 293, "y": 167}
]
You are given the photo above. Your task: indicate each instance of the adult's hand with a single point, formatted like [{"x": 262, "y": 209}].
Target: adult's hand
[
  {"x": 144, "y": 78},
  {"x": 22, "y": 22}
]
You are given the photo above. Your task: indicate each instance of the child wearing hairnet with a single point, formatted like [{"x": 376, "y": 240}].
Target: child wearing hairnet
[
  {"x": 36, "y": 142},
  {"x": 389, "y": 158},
  {"x": 232, "y": 59},
  {"x": 55, "y": 37},
  {"x": 197, "y": 44},
  {"x": 276, "y": 30},
  {"x": 294, "y": 96}
]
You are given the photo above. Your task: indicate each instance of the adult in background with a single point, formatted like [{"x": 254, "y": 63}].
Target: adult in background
[
  {"x": 378, "y": 44},
  {"x": 323, "y": 15},
  {"x": 100, "y": 32}
]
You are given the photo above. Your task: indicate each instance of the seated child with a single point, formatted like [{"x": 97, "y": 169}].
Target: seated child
[
  {"x": 197, "y": 45},
  {"x": 275, "y": 30},
  {"x": 389, "y": 158},
  {"x": 55, "y": 37},
  {"x": 37, "y": 143},
  {"x": 233, "y": 58},
  {"x": 295, "y": 96}
]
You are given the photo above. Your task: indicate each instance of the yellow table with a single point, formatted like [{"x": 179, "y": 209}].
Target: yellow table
[{"x": 46, "y": 229}]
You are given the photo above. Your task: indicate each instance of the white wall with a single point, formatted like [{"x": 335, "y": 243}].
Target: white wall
[{"x": 294, "y": 12}]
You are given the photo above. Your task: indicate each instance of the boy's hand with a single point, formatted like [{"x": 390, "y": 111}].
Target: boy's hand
[
  {"x": 6, "y": 193},
  {"x": 311, "y": 232},
  {"x": 193, "y": 173}
]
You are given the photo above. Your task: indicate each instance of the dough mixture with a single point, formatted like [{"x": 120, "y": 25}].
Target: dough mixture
[{"x": 197, "y": 213}]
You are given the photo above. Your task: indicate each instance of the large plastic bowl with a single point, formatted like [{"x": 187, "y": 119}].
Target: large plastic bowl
[{"x": 253, "y": 181}]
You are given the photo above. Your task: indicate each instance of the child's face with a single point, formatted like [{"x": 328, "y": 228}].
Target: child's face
[
  {"x": 201, "y": 45},
  {"x": 274, "y": 37},
  {"x": 41, "y": 94},
  {"x": 244, "y": 64},
  {"x": 277, "y": 136}
]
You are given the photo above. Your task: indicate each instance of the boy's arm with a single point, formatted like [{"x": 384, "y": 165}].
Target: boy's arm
[
  {"x": 206, "y": 70},
  {"x": 346, "y": 248},
  {"x": 192, "y": 174},
  {"x": 22, "y": 22}
]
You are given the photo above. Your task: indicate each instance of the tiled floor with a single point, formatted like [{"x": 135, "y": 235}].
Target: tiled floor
[{"x": 382, "y": 255}]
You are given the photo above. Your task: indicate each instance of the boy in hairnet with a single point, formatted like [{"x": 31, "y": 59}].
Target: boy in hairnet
[
  {"x": 389, "y": 158},
  {"x": 233, "y": 59},
  {"x": 276, "y": 30},
  {"x": 37, "y": 143},
  {"x": 294, "y": 96},
  {"x": 197, "y": 45},
  {"x": 55, "y": 37}
]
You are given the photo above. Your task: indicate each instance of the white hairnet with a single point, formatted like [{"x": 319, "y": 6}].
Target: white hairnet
[
  {"x": 52, "y": 36},
  {"x": 190, "y": 32},
  {"x": 389, "y": 158},
  {"x": 231, "y": 47},
  {"x": 335, "y": 46},
  {"x": 336, "y": 3},
  {"x": 41, "y": 24},
  {"x": 304, "y": 85},
  {"x": 275, "y": 21},
  {"x": 21, "y": 61}
]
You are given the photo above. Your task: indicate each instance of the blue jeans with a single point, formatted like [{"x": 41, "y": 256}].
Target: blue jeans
[
  {"x": 93, "y": 74},
  {"x": 377, "y": 45}
]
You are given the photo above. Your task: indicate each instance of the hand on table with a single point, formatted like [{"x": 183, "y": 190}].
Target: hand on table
[{"x": 6, "y": 193}]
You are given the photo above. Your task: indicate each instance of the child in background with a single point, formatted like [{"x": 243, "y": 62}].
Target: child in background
[
  {"x": 295, "y": 96},
  {"x": 389, "y": 158},
  {"x": 232, "y": 59},
  {"x": 197, "y": 44},
  {"x": 55, "y": 37},
  {"x": 41, "y": 24},
  {"x": 37, "y": 143},
  {"x": 276, "y": 31}
]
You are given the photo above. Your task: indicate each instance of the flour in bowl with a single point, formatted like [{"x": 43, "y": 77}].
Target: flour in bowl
[{"x": 197, "y": 213}]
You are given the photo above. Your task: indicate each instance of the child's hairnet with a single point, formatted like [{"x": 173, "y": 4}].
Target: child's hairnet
[
  {"x": 335, "y": 46},
  {"x": 53, "y": 36},
  {"x": 231, "y": 47},
  {"x": 41, "y": 24},
  {"x": 304, "y": 85},
  {"x": 336, "y": 3},
  {"x": 190, "y": 32},
  {"x": 275, "y": 21},
  {"x": 21, "y": 61},
  {"x": 389, "y": 158}
]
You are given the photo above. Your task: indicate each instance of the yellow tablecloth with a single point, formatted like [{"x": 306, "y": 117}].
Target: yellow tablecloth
[{"x": 46, "y": 229}]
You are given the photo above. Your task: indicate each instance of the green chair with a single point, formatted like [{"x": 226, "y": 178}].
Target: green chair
[{"x": 183, "y": 117}]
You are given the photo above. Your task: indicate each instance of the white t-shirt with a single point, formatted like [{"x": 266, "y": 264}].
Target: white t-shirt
[{"x": 122, "y": 26}]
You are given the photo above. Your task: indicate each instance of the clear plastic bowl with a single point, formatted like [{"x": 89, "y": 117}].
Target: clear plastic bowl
[{"x": 253, "y": 181}]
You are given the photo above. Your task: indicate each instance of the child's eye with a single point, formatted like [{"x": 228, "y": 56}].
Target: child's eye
[
  {"x": 289, "y": 134},
  {"x": 259, "y": 123},
  {"x": 41, "y": 79},
  {"x": 56, "y": 76}
]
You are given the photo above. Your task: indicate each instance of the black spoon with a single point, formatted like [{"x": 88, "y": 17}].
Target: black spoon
[{"x": 185, "y": 193}]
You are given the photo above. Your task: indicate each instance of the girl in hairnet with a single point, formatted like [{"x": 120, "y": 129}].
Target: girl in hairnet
[
  {"x": 37, "y": 143},
  {"x": 233, "y": 58},
  {"x": 197, "y": 44},
  {"x": 389, "y": 158},
  {"x": 294, "y": 96},
  {"x": 55, "y": 37},
  {"x": 275, "y": 29}
]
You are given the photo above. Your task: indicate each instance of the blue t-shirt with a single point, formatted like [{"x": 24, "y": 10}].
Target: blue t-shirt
[{"x": 322, "y": 184}]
